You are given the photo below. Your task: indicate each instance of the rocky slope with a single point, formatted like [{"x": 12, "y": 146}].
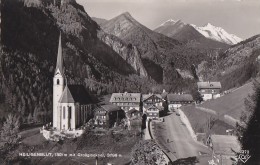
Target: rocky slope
[
  {"x": 99, "y": 21},
  {"x": 236, "y": 65},
  {"x": 128, "y": 52},
  {"x": 158, "y": 52},
  {"x": 30, "y": 31},
  {"x": 129, "y": 30}
]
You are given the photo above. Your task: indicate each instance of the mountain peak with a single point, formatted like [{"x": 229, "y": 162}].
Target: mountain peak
[
  {"x": 218, "y": 34},
  {"x": 169, "y": 22},
  {"x": 127, "y": 14},
  {"x": 208, "y": 24}
]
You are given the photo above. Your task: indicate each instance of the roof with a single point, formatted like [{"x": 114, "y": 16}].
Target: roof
[
  {"x": 110, "y": 108},
  {"x": 179, "y": 97},
  {"x": 75, "y": 94},
  {"x": 209, "y": 85},
  {"x": 224, "y": 144},
  {"x": 146, "y": 96},
  {"x": 160, "y": 108},
  {"x": 59, "y": 64},
  {"x": 126, "y": 97},
  {"x": 133, "y": 111}
]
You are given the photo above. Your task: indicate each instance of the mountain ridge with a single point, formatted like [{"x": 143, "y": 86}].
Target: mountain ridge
[
  {"x": 218, "y": 34},
  {"x": 171, "y": 27}
]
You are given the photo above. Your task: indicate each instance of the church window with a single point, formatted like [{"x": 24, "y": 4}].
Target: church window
[
  {"x": 63, "y": 112},
  {"x": 69, "y": 112},
  {"x": 58, "y": 82}
]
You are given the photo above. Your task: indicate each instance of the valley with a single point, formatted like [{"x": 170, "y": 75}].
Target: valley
[{"x": 148, "y": 75}]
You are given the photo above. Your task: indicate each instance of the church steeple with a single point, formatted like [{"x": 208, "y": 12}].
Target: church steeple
[
  {"x": 58, "y": 86},
  {"x": 59, "y": 64}
]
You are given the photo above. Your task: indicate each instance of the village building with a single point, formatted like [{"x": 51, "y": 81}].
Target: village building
[
  {"x": 152, "y": 105},
  {"x": 71, "y": 103},
  {"x": 209, "y": 90},
  {"x": 126, "y": 101},
  {"x": 107, "y": 115},
  {"x": 134, "y": 120},
  {"x": 224, "y": 147},
  {"x": 175, "y": 101}
]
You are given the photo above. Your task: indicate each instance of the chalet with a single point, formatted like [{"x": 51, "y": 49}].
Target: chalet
[
  {"x": 133, "y": 113},
  {"x": 126, "y": 101},
  {"x": 175, "y": 101},
  {"x": 107, "y": 115},
  {"x": 152, "y": 105},
  {"x": 209, "y": 90},
  {"x": 224, "y": 147}
]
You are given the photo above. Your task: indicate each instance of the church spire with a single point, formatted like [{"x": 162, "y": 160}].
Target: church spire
[{"x": 59, "y": 64}]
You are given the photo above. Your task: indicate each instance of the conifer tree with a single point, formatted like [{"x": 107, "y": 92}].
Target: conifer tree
[
  {"x": 250, "y": 138},
  {"x": 9, "y": 136}
]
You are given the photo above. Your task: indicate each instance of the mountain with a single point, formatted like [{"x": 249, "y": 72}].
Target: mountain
[
  {"x": 30, "y": 32},
  {"x": 131, "y": 31},
  {"x": 99, "y": 20},
  {"x": 170, "y": 27},
  {"x": 218, "y": 34},
  {"x": 161, "y": 55},
  {"x": 237, "y": 65},
  {"x": 187, "y": 34},
  {"x": 128, "y": 52}
]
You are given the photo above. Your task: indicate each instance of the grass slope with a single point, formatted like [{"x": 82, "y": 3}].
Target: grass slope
[{"x": 231, "y": 104}]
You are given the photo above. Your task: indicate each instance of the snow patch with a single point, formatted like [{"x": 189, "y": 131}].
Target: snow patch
[{"x": 217, "y": 33}]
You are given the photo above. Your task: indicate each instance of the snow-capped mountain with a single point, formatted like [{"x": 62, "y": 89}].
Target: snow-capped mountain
[
  {"x": 188, "y": 34},
  {"x": 218, "y": 34},
  {"x": 170, "y": 27},
  {"x": 169, "y": 22}
]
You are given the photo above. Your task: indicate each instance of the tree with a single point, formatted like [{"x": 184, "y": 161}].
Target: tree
[
  {"x": 196, "y": 95},
  {"x": 9, "y": 137},
  {"x": 250, "y": 135},
  {"x": 147, "y": 152}
]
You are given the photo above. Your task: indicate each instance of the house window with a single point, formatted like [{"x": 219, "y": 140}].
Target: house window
[
  {"x": 58, "y": 82},
  {"x": 63, "y": 112}
]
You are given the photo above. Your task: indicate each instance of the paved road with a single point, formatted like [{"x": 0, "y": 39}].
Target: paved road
[{"x": 181, "y": 144}]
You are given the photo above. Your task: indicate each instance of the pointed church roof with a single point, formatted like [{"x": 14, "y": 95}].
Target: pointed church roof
[
  {"x": 75, "y": 94},
  {"x": 66, "y": 96},
  {"x": 59, "y": 64}
]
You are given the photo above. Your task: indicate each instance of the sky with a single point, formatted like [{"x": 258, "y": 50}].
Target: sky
[{"x": 239, "y": 17}]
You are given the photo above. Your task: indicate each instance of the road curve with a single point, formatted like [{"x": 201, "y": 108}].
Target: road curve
[{"x": 174, "y": 136}]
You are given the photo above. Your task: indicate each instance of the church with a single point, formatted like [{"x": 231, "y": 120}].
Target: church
[{"x": 72, "y": 106}]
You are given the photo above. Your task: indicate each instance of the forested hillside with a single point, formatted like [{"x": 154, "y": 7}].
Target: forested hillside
[
  {"x": 30, "y": 31},
  {"x": 237, "y": 65}
]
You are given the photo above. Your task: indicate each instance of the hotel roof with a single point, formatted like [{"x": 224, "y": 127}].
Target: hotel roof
[
  {"x": 209, "y": 85},
  {"x": 146, "y": 96},
  {"x": 179, "y": 97},
  {"x": 126, "y": 97}
]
